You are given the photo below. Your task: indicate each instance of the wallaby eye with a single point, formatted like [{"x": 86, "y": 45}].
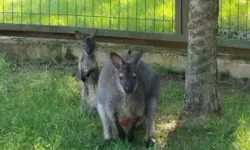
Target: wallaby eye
[{"x": 121, "y": 76}]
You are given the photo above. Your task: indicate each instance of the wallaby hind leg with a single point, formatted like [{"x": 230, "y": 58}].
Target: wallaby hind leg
[
  {"x": 92, "y": 98},
  {"x": 84, "y": 93},
  {"x": 85, "y": 104},
  {"x": 150, "y": 123},
  {"x": 130, "y": 134},
  {"x": 121, "y": 132},
  {"x": 107, "y": 128},
  {"x": 150, "y": 132}
]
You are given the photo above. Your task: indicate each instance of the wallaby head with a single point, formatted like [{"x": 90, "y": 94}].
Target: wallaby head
[
  {"x": 87, "y": 61},
  {"x": 126, "y": 71},
  {"x": 88, "y": 41}
]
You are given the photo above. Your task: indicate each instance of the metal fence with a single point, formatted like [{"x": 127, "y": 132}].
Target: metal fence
[
  {"x": 234, "y": 19},
  {"x": 129, "y": 15},
  {"x": 150, "y": 19}
]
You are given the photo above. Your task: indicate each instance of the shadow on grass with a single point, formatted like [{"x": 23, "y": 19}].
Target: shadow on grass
[{"x": 229, "y": 132}]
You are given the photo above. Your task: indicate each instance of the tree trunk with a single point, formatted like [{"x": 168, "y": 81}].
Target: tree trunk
[{"x": 201, "y": 73}]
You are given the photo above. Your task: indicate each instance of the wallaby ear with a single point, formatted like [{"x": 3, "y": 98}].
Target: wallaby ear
[
  {"x": 128, "y": 55},
  {"x": 79, "y": 35},
  {"x": 92, "y": 36},
  {"x": 137, "y": 56},
  {"x": 116, "y": 60}
]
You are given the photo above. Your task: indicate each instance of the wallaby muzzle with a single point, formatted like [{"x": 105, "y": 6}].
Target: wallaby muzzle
[
  {"x": 89, "y": 49},
  {"x": 85, "y": 75},
  {"x": 129, "y": 88}
]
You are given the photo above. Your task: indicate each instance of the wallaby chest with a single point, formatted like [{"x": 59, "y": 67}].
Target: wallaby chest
[
  {"x": 88, "y": 91},
  {"x": 130, "y": 108}
]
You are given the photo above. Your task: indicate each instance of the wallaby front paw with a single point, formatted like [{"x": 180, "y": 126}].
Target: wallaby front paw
[{"x": 150, "y": 142}]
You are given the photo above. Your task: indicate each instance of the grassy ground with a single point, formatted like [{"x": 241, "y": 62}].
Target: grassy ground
[
  {"x": 39, "y": 110},
  {"x": 141, "y": 15}
]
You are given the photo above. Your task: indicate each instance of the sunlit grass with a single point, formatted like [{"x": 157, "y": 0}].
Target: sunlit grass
[{"x": 242, "y": 133}]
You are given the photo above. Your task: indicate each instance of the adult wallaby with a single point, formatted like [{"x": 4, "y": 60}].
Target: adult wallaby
[
  {"x": 127, "y": 96},
  {"x": 88, "y": 72}
]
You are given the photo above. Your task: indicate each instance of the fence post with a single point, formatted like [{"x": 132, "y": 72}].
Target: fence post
[
  {"x": 181, "y": 17},
  {"x": 185, "y": 16},
  {"x": 178, "y": 17}
]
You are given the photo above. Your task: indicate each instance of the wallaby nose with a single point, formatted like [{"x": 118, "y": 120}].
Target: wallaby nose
[
  {"x": 88, "y": 73},
  {"x": 89, "y": 50},
  {"x": 128, "y": 89}
]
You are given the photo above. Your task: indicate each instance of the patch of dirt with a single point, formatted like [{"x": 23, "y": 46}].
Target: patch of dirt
[{"x": 62, "y": 65}]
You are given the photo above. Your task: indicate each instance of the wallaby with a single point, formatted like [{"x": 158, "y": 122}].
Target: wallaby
[
  {"x": 88, "y": 72},
  {"x": 127, "y": 96}
]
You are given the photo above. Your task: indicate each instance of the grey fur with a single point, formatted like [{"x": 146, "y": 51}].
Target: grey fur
[
  {"x": 114, "y": 105},
  {"x": 88, "y": 71}
]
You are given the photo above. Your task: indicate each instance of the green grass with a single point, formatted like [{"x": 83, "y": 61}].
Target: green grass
[
  {"x": 132, "y": 15},
  {"x": 39, "y": 110}
]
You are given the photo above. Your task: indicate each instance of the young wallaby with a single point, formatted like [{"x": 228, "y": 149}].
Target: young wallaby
[
  {"x": 127, "y": 96},
  {"x": 88, "y": 72}
]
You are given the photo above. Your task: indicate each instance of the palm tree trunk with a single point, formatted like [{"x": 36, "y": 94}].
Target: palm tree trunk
[{"x": 201, "y": 74}]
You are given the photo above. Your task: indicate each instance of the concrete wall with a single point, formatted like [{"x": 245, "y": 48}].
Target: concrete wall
[{"x": 175, "y": 59}]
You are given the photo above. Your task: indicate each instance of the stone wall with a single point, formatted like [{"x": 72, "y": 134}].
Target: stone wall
[{"x": 174, "y": 59}]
